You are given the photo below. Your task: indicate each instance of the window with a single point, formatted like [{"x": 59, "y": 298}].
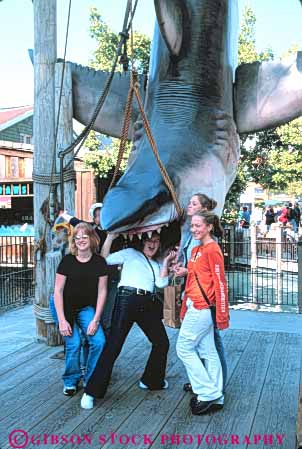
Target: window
[{"x": 25, "y": 138}]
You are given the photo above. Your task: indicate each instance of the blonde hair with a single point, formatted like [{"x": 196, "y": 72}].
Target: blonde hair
[
  {"x": 211, "y": 219},
  {"x": 87, "y": 229}
]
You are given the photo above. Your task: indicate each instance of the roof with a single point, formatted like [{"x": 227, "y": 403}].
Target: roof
[{"x": 9, "y": 117}]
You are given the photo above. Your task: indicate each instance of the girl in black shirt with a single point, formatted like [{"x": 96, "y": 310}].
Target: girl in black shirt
[{"x": 80, "y": 293}]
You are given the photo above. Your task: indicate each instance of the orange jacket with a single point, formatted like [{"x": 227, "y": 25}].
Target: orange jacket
[{"x": 207, "y": 262}]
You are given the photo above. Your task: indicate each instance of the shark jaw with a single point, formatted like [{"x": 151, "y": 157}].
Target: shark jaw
[{"x": 157, "y": 221}]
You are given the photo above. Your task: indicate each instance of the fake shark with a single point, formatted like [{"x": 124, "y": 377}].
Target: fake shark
[{"x": 198, "y": 102}]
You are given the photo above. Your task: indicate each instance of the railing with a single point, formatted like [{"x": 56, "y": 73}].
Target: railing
[
  {"x": 16, "y": 271},
  {"x": 262, "y": 270}
]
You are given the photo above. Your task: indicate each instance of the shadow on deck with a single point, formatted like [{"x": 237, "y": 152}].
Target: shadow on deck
[{"x": 264, "y": 370}]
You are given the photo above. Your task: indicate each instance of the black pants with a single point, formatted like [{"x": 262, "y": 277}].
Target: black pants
[
  {"x": 106, "y": 318},
  {"x": 131, "y": 308}
]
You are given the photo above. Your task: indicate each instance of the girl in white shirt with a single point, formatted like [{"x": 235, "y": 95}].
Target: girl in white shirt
[{"x": 136, "y": 302}]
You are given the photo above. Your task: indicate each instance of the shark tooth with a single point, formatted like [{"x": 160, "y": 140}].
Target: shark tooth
[
  {"x": 158, "y": 230},
  {"x": 139, "y": 235},
  {"x": 125, "y": 235},
  {"x": 167, "y": 225},
  {"x": 149, "y": 234},
  {"x": 131, "y": 237}
]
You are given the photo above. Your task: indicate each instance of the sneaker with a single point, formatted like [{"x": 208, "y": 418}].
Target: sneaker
[
  {"x": 188, "y": 388},
  {"x": 144, "y": 387},
  {"x": 69, "y": 391},
  {"x": 87, "y": 401},
  {"x": 200, "y": 407}
]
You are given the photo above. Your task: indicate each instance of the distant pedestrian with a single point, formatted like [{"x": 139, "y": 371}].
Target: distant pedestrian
[
  {"x": 269, "y": 217},
  {"x": 244, "y": 218},
  {"x": 291, "y": 214},
  {"x": 283, "y": 218},
  {"x": 298, "y": 214}
]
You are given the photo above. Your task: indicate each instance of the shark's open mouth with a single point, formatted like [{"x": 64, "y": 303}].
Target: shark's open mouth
[{"x": 170, "y": 233}]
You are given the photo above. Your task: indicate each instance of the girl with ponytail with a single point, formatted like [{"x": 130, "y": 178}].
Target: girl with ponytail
[
  {"x": 201, "y": 203},
  {"x": 205, "y": 287}
]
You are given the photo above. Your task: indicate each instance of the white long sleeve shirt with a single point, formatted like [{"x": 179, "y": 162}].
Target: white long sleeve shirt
[{"x": 136, "y": 272}]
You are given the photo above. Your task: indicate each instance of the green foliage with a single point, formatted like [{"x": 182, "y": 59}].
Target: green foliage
[
  {"x": 247, "y": 41},
  {"x": 107, "y": 42},
  {"x": 101, "y": 157},
  {"x": 273, "y": 157}
]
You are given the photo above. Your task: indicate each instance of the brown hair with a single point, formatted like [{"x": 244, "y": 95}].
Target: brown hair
[
  {"x": 211, "y": 219},
  {"x": 87, "y": 229},
  {"x": 205, "y": 201},
  {"x": 145, "y": 238}
]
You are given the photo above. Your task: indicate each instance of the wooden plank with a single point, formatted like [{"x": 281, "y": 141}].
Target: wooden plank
[
  {"x": 278, "y": 405},
  {"x": 181, "y": 421},
  {"x": 14, "y": 167},
  {"x": 299, "y": 420},
  {"x": 26, "y": 396},
  {"x": 8, "y": 171},
  {"x": 2, "y": 166},
  {"x": 246, "y": 375},
  {"x": 35, "y": 411},
  {"x": 28, "y": 169},
  {"x": 21, "y": 163},
  {"x": 20, "y": 352},
  {"x": 9, "y": 381},
  {"x": 244, "y": 391},
  {"x": 120, "y": 405},
  {"x": 25, "y": 354}
]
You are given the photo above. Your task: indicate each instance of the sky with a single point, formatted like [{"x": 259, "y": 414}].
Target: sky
[{"x": 278, "y": 26}]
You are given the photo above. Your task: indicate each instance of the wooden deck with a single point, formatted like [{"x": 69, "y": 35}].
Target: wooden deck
[{"x": 264, "y": 373}]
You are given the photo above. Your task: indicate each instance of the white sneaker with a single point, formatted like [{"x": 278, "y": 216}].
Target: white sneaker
[
  {"x": 144, "y": 387},
  {"x": 87, "y": 401}
]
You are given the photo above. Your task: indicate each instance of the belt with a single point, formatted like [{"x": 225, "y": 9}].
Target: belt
[{"x": 137, "y": 291}]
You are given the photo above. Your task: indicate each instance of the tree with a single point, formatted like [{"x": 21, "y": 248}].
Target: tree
[
  {"x": 248, "y": 163},
  {"x": 102, "y": 155}
]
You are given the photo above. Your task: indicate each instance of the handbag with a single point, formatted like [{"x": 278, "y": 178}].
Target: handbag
[
  {"x": 212, "y": 307},
  {"x": 172, "y": 305}
]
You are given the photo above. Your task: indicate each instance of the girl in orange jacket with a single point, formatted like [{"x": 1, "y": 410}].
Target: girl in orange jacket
[{"x": 206, "y": 284}]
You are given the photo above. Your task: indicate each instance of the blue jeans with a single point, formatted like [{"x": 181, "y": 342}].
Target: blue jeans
[
  {"x": 221, "y": 353},
  {"x": 96, "y": 342}
]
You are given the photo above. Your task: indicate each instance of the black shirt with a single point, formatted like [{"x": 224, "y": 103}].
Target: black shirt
[
  {"x": 81, "y": 286},
  {"x": 117, "y": 245}
]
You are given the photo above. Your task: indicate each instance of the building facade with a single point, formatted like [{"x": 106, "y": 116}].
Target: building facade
[{"x": 16, "y": 167}]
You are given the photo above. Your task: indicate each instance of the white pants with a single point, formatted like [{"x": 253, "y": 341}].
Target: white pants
[{"x": 196, "y": 342}]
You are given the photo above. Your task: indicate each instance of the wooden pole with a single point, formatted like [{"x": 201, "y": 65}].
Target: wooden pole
[
  {"x": 45, "y": 55},
  {"x": 64, "y": 139},
  {"x": 65, "y": 129}
]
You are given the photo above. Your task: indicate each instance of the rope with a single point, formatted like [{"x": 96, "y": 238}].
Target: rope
[
  {"x": 43, "y": 314},
  {"x": 162, "y": 168},
  {"x": 83, "y": 135},
  {"x": 134, "y": 88},
  {"x": 69, "y": 175},
  {"x": 125, "y": 130},
  {"x": 128, "y": 109}
]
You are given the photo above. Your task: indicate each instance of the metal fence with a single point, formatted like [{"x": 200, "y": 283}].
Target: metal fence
[
  {"x": 262, "y": 270},
  {"x": 16, "y": 271}
]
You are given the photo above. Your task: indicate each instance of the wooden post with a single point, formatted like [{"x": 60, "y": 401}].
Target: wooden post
[
  {"x": 64, "y": 138},
  {"x": 65, "y": 129},
  {"x": 253, "y": 230},
  {"x": 279, "y": 264},
  {"x": 45, "y": 55}
]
